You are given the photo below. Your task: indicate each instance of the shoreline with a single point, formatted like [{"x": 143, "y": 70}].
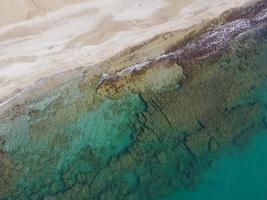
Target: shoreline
[
  {"x": 101, "y": 67},
  {"x": 164, "y": 124},
  {"x": 198, "y": 46}
]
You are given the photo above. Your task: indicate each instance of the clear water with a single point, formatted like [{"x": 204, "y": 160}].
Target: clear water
[
  {"x": 239, "y": 173},
  {"x": 153, "y": 147}
]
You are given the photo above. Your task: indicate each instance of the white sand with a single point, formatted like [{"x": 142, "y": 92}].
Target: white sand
[{"x": 39, "y": 38}]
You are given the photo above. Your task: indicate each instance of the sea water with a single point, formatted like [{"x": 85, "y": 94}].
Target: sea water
[
  {"x": 110, "y": 153},
  {"x": 238, "y": 173}
]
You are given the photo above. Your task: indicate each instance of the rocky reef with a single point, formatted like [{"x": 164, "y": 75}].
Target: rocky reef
[{"x": 143, "y": 131}]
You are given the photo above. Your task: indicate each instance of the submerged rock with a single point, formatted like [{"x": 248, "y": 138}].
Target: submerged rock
[{"x": 133, "y": 135}]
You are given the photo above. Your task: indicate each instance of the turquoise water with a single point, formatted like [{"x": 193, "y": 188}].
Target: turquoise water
[
  {"x": 77, "y": 151},
  {"x": 205, "y": 139},
  {"x": 239, "y": 173}
]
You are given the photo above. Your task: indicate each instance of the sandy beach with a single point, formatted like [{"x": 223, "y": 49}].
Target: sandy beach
[
  {"x": 130, "y": 100},
  {"x": 42, "y": 38}
]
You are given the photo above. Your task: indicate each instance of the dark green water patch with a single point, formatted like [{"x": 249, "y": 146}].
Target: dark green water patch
[{"x": 238, "y": 173}]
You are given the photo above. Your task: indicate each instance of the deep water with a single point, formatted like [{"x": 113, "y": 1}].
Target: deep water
[{"x": 238, "y": 173}]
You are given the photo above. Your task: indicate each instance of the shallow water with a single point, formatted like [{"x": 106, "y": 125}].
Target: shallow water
[{"x": 184, "y": 142}]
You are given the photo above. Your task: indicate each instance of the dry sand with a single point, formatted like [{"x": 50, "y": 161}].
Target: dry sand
[{"x": 40, "y": 38}]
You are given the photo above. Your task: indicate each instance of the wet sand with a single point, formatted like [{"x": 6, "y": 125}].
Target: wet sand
[{"x": 42, "y": 39}]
